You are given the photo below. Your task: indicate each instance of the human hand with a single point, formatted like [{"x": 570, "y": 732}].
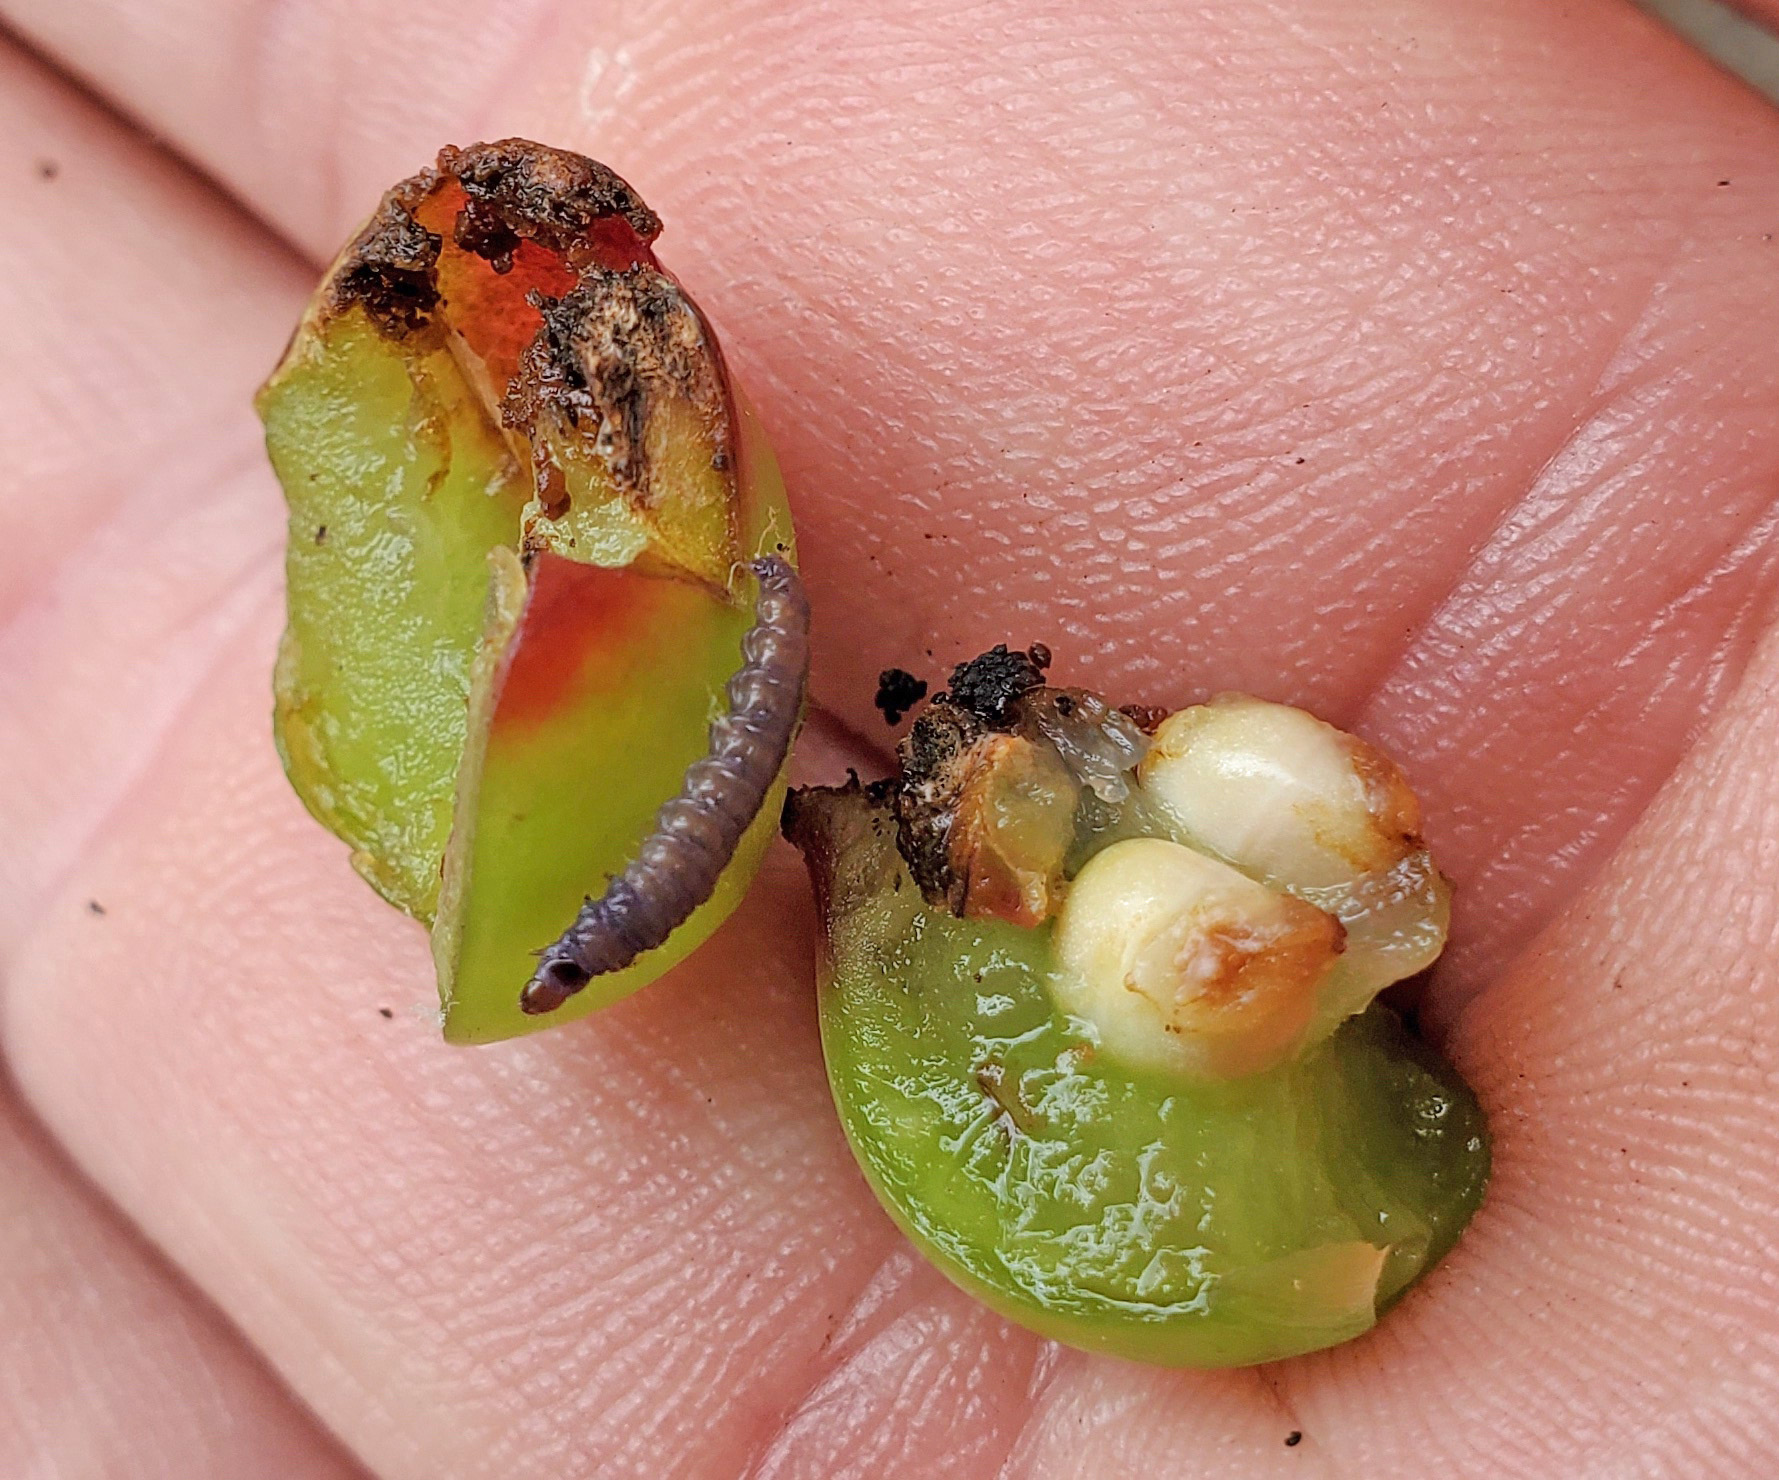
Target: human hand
[{"x": 1407, "y": 361}]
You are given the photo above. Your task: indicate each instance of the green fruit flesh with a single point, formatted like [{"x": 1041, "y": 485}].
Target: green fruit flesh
[
  {"x": 1202, "y": 1225},
  {"x": 398, "y": 487}
]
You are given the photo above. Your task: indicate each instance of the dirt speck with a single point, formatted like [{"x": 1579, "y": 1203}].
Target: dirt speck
[
  {"x": 898, "y": 691},
  {"x": 1146, "y": 717}
]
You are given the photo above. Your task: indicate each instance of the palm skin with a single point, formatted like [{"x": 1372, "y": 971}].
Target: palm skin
[{"x": 1404, "y": 360}]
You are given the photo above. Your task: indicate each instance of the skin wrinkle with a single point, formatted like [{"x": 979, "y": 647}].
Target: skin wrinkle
[
  {"x": 1766, "y": 11},
  {"x": 1138, "y": 1420},
  {"x": 898, "y": 1322},
  {"x": 1695, "y": 577},
  {"x": 135, "y": 1363},
  {"x": 279, "y": 41},
  {"x": 1034, "y": 603},
  {"x": 1694, "y": 841},
  {"x": 152, "y": 1374},
  {"x": 127, "y": 482},
  {"x": 1508, "y": 512},
  {"x": 50, "y": 834},
  {"x": 120, "y": 342},
  {"x": 1051, "y": 1364},
  {"x": 531, "y": 28},
  {"x": 896, "y": 1290}
]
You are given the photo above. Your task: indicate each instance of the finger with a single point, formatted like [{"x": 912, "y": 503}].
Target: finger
[
  {"x": 1245, "y": 349},
  {"x": 1618, "y": 1286},
  {"x": 110, "y": 1365},
  {"x": 915, "y": 1380},
  {"x": 138, "y": 309},
  {"x": 131, "y": 301}
]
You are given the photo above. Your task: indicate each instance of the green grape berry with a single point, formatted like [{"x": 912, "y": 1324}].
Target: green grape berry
[
  {"x": 1097, "y": 1006},
  {"x": 524, "y": 502}
]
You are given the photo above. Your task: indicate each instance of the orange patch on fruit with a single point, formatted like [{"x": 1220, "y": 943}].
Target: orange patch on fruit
[
  {"x": 486, "y": 307},
  {"x": 582, "y": 631},
  {"x": 489, "y": 309}
]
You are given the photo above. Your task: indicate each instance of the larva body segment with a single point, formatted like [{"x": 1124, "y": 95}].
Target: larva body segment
[{"x": 697, "y": 831}]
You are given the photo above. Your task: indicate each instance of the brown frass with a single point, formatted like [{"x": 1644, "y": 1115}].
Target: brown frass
[
  {"x": 898, "y": 691},
  {"x": 933, "y": 761},
  {"x": 514, "y": 190},
  {"x": 391, "y": 270},
  {"x": 606, "y": 353},
  {"x": 989, "y": 683},
  {"x": 519, "y": 189},
  {"x": 934, "y": 766},
  {"x": 607, "y": 350}
]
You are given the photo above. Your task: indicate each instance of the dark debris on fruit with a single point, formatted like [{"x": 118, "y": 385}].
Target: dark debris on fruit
[
  {"x": 898, "y": 691},
  {"x": 990, "y": 683}
]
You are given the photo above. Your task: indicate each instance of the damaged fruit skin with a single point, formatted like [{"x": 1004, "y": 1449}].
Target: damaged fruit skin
[
  {"x": 522, "y": 493},
  {"x": 1157, "y": 1118}
]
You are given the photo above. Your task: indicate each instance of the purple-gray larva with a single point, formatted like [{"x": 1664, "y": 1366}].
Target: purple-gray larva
[{"x": 697, "y": 832}]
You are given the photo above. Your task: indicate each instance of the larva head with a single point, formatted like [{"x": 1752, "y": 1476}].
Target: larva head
[{"x": 523, "y": 493}]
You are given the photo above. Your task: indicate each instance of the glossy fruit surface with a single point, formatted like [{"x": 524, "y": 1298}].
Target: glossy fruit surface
[{"x": 1203, "y": 1224}]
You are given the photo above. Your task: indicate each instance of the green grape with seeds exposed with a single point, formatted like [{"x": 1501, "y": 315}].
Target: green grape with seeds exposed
[{"x": 1097, "y": 1005}]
